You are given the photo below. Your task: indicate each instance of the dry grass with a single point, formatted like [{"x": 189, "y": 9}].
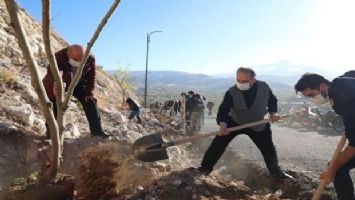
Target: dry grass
[{"x": 7, "y": 77}]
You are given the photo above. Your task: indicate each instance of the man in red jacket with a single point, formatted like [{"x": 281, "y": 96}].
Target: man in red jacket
[{"x": 68, "y": 60}]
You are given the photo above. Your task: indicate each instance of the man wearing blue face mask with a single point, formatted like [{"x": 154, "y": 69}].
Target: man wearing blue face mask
[
  {"x": 341, "y": 94},
  {"x": 247, "y": 101}
]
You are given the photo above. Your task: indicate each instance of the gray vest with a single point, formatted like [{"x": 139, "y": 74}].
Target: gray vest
[{"x": 240, "y": 112}]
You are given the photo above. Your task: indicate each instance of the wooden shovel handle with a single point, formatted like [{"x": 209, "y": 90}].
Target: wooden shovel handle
[
  {"x": 193, "y": 138},
  {"x": 321, "y": 185}
]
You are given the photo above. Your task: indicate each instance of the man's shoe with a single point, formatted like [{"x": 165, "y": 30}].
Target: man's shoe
[{"x": 282, "y": 176}]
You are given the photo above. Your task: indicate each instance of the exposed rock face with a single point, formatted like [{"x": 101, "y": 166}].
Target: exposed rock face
[{"x": 23, "y": 113}]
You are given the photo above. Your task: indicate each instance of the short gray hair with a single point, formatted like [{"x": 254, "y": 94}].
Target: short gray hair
[{"x": 247, "y": 70}]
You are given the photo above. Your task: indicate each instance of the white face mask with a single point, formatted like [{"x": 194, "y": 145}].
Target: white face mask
[
  {"x": 74, "y": 63},
  {"x": 319, "y": 100},
  {"x": 243, "y": 86}
]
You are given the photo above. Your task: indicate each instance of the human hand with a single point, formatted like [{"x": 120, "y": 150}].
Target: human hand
[
  {"x": 275, "y": 117},
  {"x": 327, "y": 176},
  {"x": 223, "y": 129},
  {"x": 90, "y": 98},
  {"x": 55, "y": 90}
]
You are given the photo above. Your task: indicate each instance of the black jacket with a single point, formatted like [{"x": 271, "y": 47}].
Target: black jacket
[{"x": 342, "y": 94}]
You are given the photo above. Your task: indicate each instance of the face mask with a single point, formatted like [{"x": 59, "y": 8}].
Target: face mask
[
  {"x": 74, "y": 63},
  {"x": 243, "y": 86},
  {"x": 319, "y": 100}
]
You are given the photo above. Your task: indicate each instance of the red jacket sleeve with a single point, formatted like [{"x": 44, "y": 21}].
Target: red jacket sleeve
[{"x": 91, "y": 76}]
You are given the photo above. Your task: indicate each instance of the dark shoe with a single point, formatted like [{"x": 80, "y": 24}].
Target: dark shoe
[
  {"x": 282, "y": 175},
  {"x": 101, "y": 134}
]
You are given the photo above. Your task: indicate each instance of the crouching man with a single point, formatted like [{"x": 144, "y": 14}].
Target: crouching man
[{"x": 68, "y": 60}]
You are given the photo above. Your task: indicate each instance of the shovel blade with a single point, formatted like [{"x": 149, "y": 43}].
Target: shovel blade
[{"x": 142, "y": 148}]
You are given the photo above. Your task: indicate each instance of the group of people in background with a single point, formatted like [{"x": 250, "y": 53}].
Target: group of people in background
[{"x": 194, "y": 110}]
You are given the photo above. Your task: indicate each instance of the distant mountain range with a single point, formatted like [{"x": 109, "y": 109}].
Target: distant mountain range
[
  {"x": 198, "y": 82},
  {"x": 170, "y": 84},
  {"x": 285, "y": 72},
  {"x": 281, "y": 77}
]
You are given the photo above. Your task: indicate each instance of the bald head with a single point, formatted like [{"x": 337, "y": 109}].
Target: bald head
[{"x": 76, "y": 52}]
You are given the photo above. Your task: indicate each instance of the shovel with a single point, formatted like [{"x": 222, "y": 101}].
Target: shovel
[
  {"x": 321, "y": 186},
  {"x": 152, "y": 148}
]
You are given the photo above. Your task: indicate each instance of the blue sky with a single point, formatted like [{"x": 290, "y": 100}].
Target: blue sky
[{"x": 211, "y": 36}]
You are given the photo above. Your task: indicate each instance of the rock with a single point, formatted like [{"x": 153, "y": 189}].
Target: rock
[
  {"x": 132, "y": 136},
  {"x": 23, "y": 113},
  {"x": 271, "y": 197},
  {"x": 119, "y": 118},
  {"x": 28, "y": 93},
  {"x": 40, "y": 126},
  {"x": 71, "y": 131},
  {"x": 278, "y": 193},
  {"x": 154, "y": 122},
  {"x": 177, "y": 182},
  {"x": 159, "y": 165},
  {"x": 140, "y": 188}
]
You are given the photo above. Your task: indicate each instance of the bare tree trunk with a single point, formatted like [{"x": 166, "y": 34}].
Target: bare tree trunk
[
  {"x": 37, "y": 84},
  {"x": 55, "y": 127},
  {"x": 46, "y": 14}
]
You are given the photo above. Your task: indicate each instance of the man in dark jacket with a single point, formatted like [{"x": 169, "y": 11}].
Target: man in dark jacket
[
  {"x": 198, "y": 107},
  {"x": 68, "y": 60},
  {"x": 134, "y": 107},
  {"x": 341, "y": 94},
  {"x": 210, "y": 106},
  {"x": 188, "y": 107},
  {"x": 247, "y": 101}
]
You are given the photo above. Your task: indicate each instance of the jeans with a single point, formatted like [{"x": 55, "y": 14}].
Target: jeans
[
  {"x": 135, "y": 113},
  {"x": 263, "y": 140},
  {"x": 343, "y": 183}
]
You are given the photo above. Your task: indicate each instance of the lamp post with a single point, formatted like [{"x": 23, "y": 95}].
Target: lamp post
[{"x": 146, "y": 67}]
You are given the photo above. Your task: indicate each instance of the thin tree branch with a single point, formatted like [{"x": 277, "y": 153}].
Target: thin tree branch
[
  {"x": 37, "y": 84},
  {"x": 46, "y": 24},
  {"x": 87, "y": 52}
]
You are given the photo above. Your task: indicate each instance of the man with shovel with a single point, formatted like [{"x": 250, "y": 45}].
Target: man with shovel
[
  {"x": 341, "y": 94},
  {"x": 247, "y": 101}
]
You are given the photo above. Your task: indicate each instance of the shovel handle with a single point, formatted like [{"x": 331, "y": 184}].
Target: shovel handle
[
  {"x": 190, "y": 139},
  {"x": 321, "y": 185}
]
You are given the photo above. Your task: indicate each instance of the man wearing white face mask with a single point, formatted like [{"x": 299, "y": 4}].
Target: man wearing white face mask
[
  {"x": 341, "y": 94},
  {"x": 247, "y": 101},
  {"x": 68, "y": 60}
]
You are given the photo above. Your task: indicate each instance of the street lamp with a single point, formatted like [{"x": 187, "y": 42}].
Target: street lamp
[{"x": 146, "y": 67}]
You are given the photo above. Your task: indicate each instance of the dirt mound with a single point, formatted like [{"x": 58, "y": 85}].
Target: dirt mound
[{"x": 189, "y": 184}]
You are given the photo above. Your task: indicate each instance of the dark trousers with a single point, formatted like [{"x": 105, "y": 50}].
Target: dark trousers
[
  {"x": 90, "y": 109},
  {"x": 135, "y": 113},
  {"x": 263, "y": 140},
  {"x": 343, "y": 183}
]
